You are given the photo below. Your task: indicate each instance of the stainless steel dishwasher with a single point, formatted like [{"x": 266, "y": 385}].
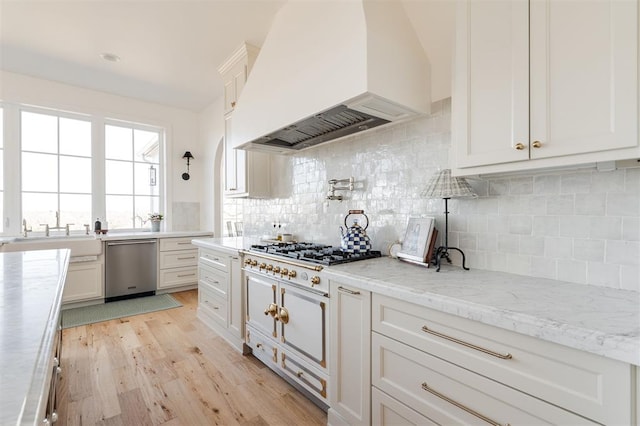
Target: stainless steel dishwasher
[{"x": 131, "y": 267}]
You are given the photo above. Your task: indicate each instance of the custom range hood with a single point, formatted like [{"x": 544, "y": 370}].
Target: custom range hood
[{"x": 328, "y": 69}]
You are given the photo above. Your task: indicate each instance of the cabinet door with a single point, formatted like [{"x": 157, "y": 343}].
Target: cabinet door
[
  {"x": 584, "y": 76},
  {"x": 491, "y": 93},
  {"x": 83, "y": 282},
  {"x": 261, "y": 293},
  {"x": 350, "y": 353},
  {"x": 235, "y": 163},
  {"x": 236, "y": 78}
]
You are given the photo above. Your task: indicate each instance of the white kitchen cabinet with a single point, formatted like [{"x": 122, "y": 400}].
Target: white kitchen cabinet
[
  {"x": 220, "y": 294},
  {"x": 544, "y": 84},
  {"x": 84, "y": 281},
  {"x": 247, "y": 174},
  {"x": 455, "y": 357},
  {"x": 350, "y": 380},
  {"x": 178, "y": 260}
]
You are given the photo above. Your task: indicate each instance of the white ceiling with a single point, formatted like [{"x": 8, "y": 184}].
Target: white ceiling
[{"x": 170, "y": 49}]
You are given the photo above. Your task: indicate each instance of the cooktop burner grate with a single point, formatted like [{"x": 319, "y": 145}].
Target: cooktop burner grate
[{"x": 312, "y": 252}]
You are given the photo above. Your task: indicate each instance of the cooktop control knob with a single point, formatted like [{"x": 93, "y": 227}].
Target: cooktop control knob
[
  {"x": 254, "y": 263},
  {"x": 269, "y": 267},
  {"x": 247, "y": 261},
  {"x": 276, "y": 270},
  {"x": 315, "y": 280},
  {"x": 284, "y": 272},
  {"x": 292, "y": 273},
  {"x": 263, "y": 265}
]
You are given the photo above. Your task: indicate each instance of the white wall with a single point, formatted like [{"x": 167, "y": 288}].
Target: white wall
[
  {"x": 211, "y": 133},
  {"x": 181, "y": 126},
  {"x": 579, "y": 226}
]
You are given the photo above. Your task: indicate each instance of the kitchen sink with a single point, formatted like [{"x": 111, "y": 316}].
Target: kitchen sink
[{"x": 80, "y": 245}]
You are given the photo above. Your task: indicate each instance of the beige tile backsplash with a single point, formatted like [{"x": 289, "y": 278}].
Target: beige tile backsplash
[{"x": 580, "y": 226}]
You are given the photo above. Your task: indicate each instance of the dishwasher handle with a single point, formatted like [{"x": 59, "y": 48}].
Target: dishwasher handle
[{"x": 128, "y": 242}]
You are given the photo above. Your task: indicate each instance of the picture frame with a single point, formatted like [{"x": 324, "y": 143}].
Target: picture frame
[{"x": 416, "y": 240}]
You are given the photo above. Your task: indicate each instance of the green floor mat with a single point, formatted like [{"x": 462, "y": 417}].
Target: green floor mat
[{"x": 120, "y": 309}]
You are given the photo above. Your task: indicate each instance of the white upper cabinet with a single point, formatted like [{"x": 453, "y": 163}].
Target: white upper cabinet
[
  {"x": 544, "y": 83},
  {"x": 247, "y": 174}
]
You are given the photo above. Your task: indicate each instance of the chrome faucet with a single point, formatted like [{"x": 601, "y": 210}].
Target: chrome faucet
[
  {"x": 25, "y": 230},
  {"x": 48, "y": 228}
]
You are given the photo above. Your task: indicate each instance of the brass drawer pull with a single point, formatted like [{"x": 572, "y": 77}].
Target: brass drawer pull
[
  {"x": 186, "y": 275},
  {"x": 185, "y": 258},
  {"x": 469, "y": 345},
  {"x": 426, "y": 387},
  {"x": 346, "y": 290}
]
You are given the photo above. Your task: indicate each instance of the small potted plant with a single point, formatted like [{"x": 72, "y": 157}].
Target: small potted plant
[{"x": 155, "y": 219}]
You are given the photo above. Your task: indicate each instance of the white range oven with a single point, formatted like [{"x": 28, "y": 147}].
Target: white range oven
[{"x": 288, "y": 306}]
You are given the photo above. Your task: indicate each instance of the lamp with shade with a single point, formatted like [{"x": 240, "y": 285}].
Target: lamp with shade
[{"x": 443, "y": 185}]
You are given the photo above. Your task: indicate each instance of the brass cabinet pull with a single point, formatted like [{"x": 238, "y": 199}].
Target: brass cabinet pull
[
  {"x": 469, "y": 345},
  {"x": 519, "y": 146},
  {"x": 233, "y": 104},
  {"x": 536, "y": 144},
  {"x": 426, "y": 387},
  {"x": 346, "y": 290}
]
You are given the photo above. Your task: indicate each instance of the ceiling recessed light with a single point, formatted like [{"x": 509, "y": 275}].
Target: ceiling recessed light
[{"x": 111, "y": 57}]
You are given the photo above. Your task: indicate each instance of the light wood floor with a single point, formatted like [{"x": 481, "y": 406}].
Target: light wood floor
[{"x": 168, "y": 368}]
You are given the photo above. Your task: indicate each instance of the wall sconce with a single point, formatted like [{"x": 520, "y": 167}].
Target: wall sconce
[{"x": 188, "y": 156}]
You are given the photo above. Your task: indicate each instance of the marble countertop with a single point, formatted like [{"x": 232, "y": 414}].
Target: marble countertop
[
  {"x": 31, "y": 286},
  {"x": 599, "y": 320},
  {"x": 114, "y": 235}
]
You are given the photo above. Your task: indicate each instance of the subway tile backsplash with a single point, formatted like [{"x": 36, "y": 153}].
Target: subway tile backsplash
[{"x": 580, "y": 226}]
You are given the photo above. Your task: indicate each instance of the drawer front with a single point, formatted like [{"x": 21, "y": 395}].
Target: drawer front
[
  {"x": 388, "y": 411},
  {"x": 215, "y": 307},
  {"x": 178, "y": 277},
  {"x": 177, "y": 259},
  {"x": 216, "y": 281},
  {"x": 172, "y": 244},
  {"x": 215, "y": 259},
  {"x": 304, "y": 374},
  {"x": 593, "y": 386},
  {"x": 262, "y": 347},
  {"x": 448, "y": 394}
]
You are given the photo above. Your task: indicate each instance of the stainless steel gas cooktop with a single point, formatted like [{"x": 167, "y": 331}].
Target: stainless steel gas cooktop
[{"x": 311, "y": 252}]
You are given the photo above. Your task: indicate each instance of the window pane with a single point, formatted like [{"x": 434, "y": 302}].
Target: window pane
[
  {"x": 119, "y": 177},
  {"x": 146, "y": 205},
  {"x": 118, "y": 143},
  {"x": 39, "y": 132},
  {"x": 39, "y": 208},
  {"x": 39, "y": 172},
  {"x": 75, "y": 209},
  {"x": 119, "y": 211},
  {"x": 75, "y": 174},
  {"x": 75, "y": 137},
  {"x": 146, "y": 145}
]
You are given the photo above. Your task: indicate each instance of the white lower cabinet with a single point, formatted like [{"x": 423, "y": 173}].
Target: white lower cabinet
[
  {"x": 456, "y": 371},
  {"x": 350, "y": 381},
  {"x": 220, "y": 294},
  {"x": 178, "y": 260},
  {"x": 84, "y": 281},
  {"x": 447, "y": 394}
]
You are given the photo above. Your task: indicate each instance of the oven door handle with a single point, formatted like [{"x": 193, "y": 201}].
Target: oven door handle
[{"x": 283, "y": 316}]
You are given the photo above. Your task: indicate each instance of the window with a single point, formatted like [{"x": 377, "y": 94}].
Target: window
[
  {"x": 56, "y": 170},
  {"x": 132, "y": 171},
  {"x": 69, "y": 174}
]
